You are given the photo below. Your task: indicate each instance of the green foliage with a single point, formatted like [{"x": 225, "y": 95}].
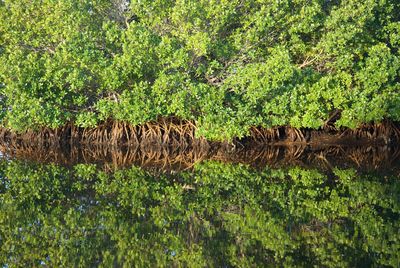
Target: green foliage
[
  {"x": 216, "y": 215},
  {"x": 227, "y": 65}
]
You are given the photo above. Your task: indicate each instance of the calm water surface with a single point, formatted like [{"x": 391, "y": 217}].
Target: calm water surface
[{"x": 212, "y": 213}]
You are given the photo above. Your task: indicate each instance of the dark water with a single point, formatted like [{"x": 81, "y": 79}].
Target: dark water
[{"x": 327, "y": 213}]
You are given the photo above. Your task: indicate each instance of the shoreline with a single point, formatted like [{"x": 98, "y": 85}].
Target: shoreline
[
  {"x": 171, "y": 144},
  {"x": 181, "y": 134}
]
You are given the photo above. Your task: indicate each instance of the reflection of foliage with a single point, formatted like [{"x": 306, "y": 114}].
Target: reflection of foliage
[
  {"x": 227, "y": 65},
  {"x": 217, "y": 215}
]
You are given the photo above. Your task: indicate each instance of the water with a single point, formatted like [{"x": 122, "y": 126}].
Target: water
[{"x": 316, "y": 209}]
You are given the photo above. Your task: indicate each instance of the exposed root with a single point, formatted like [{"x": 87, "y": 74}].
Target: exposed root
[{"x": 181, "y": 135}]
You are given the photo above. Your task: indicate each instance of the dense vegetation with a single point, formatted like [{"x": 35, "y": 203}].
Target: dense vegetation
[
  {"x": 227, "y": 65},
  {"x": 218, "y": 215}
]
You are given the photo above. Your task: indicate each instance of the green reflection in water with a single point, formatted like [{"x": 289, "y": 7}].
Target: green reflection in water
[{"x": 215, "y": 215}]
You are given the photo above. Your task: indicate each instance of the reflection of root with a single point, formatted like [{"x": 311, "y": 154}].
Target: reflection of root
[
  {"x": 321, "y": 157},
  {"x": 167, "y": 158},
  {"x": 355, "y": 159},
  {"x": 295, "y": 152}
]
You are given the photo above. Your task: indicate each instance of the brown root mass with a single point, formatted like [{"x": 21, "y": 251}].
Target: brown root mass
[
  {"x": 180, "y": 134},
  {"x": 170, "y": 144},
  {"x": 382, "y": 133}
]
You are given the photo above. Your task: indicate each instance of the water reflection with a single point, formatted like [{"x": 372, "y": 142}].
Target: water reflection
[
  {"x": 215, "y": 214},
  {"x": 168, "y": 159}
]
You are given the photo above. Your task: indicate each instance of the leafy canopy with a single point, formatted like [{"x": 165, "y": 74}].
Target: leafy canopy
[{"x": 227, "y": 65}]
